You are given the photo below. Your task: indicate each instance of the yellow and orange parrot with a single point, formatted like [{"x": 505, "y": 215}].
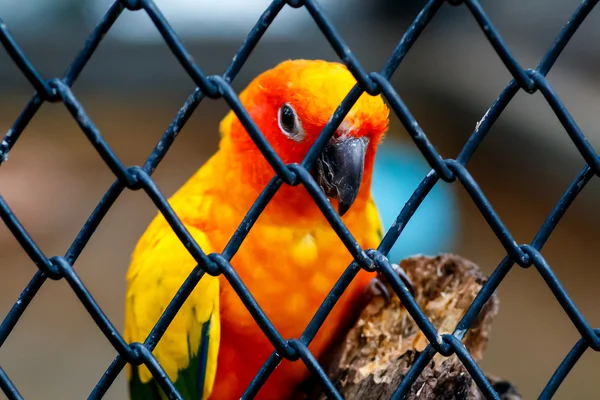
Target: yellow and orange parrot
[{"x": 291, "y": 258}]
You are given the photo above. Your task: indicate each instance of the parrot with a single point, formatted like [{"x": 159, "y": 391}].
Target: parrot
[{"x": 291, "y": 257}]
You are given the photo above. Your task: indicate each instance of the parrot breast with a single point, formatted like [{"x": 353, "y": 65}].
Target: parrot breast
[{"x": 289, "y": 270}]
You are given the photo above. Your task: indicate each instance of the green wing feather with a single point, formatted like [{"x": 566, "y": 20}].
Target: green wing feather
[
  {"x": 190, "y": 381},
  {"x": 189, "y": 347}
]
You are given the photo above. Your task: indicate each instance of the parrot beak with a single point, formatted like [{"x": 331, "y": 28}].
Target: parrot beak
[{"x": 339, "y": 170}]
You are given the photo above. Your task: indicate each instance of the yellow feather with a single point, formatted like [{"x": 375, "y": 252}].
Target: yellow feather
[{"x": 159, "y": 266}]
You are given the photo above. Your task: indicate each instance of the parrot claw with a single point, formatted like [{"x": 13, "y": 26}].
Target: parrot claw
[
  {"x": 377, "y": 285},
  {"x": 404, "y": 276},
  {"x": 377, "y": 288}
]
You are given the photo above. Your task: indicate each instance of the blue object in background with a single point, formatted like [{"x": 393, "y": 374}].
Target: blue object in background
[{"x": 399, "y": 168}]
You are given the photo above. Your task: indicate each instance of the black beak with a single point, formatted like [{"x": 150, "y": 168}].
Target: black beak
[{"x": 339, "y": 170}]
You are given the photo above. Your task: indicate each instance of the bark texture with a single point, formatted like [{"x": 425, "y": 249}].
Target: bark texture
[{"x": 377, "y": 352}]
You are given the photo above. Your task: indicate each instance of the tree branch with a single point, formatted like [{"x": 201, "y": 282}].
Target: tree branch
[{"x": 379, "y": 350}]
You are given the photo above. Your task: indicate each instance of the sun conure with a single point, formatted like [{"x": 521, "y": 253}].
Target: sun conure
[{"x": 290, "y": 259}]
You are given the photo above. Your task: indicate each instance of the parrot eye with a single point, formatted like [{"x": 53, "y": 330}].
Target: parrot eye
[{"x": 289, "y": 123}]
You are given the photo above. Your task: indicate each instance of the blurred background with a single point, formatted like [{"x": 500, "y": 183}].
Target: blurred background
[{"x": 133, "y": 87}]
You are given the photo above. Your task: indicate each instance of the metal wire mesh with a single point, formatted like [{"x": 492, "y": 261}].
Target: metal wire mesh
[{"x": 218, "y": 86}]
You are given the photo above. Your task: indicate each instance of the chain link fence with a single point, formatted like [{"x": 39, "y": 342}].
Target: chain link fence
[{"x": 374, "y": 83}]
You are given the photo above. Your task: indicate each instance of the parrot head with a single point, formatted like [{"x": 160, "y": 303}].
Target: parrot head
[{"x": 291, "y": 104}]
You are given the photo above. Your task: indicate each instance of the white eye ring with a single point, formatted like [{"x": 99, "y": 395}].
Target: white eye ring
[{"x": 289, "y": 123}]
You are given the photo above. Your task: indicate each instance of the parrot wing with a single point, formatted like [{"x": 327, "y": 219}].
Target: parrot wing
[{"x": 189, "y": 348}]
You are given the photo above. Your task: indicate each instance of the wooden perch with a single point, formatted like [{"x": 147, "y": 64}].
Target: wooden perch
[{"x": 385, "y": 341}]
